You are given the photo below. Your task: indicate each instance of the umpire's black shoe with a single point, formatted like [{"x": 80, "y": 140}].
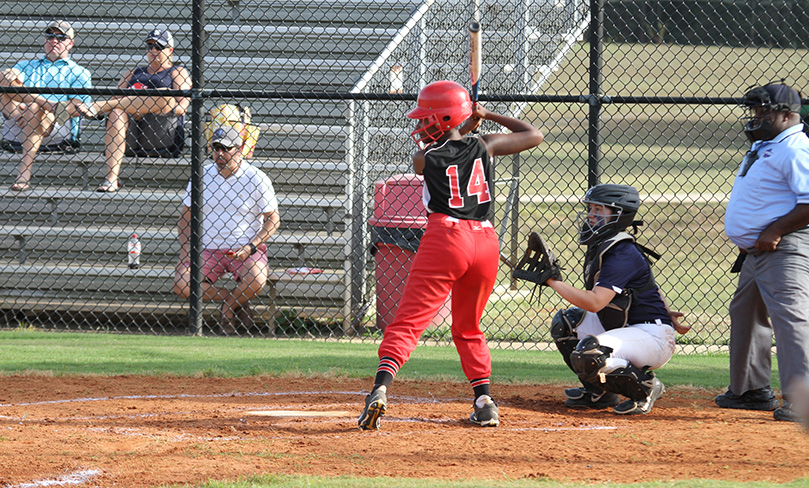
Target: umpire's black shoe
[
  {"x": 786, "y": 414},
  {"x": 759, "y": 399}
]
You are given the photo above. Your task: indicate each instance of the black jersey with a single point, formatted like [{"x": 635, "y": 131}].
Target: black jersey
[{"x": 458, "y": 179}]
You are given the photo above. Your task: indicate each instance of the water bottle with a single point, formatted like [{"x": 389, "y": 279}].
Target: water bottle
[{"x": 134, "y": 252}]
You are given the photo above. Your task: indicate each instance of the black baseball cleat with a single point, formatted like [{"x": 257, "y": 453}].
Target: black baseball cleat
[
  {"x": 376, "y": 403},
  {"x": 590, "y": 399},
  {"x": 486, "y": 416},
  {"x": 758, "y": 399},
  {"x": 575, "y": 393}
]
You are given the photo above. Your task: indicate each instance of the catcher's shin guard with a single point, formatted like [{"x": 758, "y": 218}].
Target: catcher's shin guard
[
  {"x": 630, "y": 381},
  {"x": 563, "y": 331},
  {"x": 589, "y": 359}
]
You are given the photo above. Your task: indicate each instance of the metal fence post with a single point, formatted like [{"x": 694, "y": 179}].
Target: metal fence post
[
  {"x": 594, "y": 132},
  {"x": 197, "y": 157}
]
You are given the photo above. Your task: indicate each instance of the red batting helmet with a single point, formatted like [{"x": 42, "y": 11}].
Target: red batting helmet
[{"x": 441, "y": 106}]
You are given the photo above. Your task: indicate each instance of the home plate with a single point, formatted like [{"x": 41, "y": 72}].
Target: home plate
[{"x": 299, "y": 413}]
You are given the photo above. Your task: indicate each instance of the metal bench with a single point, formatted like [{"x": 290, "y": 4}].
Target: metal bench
[
  {"x": 12, "y": 203},
  {"x": 22, "y": 234},
  {"x": 84, "y": 288}
]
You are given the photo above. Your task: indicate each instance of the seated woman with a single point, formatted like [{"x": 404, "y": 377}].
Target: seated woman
[{"x": 139, "y": 125}]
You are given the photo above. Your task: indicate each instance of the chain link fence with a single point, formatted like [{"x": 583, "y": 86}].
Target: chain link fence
[{"x": 634, "y": 92}]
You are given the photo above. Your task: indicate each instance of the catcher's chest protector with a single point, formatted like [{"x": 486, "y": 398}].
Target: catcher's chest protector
[
  {"x": 616, "y": 313},
  {"x": 595, "y": 254}
]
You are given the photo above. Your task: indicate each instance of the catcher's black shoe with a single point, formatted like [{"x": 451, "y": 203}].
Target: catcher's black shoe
[
  {"x": 486, "y": 416},
  {"x": 642, "y": 407},
  {"x": 786, "y": 413},
  {"x": 590, "y": 399},
  {"x": 758, "y": 399},
  {"x": 376, "y": 403},
  {"x": 575, "y": 393}
]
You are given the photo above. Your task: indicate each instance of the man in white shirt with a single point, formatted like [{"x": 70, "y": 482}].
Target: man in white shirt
[
  {"x": 767, "y": 218},
  {"x": 239, "y": 214}
]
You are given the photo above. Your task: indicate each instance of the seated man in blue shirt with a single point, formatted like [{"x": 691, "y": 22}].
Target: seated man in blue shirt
[{"x": 31, "y": 119}]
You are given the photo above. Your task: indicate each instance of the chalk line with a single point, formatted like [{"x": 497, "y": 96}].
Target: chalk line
[{"x": 72, "y": 479}]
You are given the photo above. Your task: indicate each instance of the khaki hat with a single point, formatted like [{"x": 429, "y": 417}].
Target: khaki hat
[{"x": 62, "y": 26}]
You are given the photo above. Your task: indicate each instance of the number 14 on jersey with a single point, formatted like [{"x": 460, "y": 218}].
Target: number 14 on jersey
[{"x": 477, "y": 185}]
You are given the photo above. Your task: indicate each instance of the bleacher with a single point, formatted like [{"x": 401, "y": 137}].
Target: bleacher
[
  {"x": 66, "y": 242},
  {"x": 63, "y": 245}
]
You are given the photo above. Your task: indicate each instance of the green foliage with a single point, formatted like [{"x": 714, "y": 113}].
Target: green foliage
[
  {"x": 719, "y": 22},
  {"x": 657, "y": 32},
  {"x": 290, "y": 323}
]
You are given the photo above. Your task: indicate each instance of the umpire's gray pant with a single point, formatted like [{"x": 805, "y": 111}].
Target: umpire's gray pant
[{"x": 775, "y": 285}]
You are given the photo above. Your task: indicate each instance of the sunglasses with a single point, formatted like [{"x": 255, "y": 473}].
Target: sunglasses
[
  {"x": 58, "y": 37},
  {"x": 150, "y": 46},
  {"x": 221, "y": 147}
]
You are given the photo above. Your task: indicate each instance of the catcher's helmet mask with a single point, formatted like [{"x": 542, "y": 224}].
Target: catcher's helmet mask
[
  {"x": 623, "y": 202},
  {"x": 761, "y": 102},
  {"x": 441, "y": 106}
]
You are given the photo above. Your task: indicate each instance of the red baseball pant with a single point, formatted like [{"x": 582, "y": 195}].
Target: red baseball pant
[{"x": 458, "y": 256}]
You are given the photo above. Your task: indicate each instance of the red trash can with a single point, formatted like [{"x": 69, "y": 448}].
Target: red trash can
[{"x": 396, "y": 228}]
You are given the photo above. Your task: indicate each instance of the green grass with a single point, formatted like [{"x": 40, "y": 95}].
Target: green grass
[
  {"x": 63, "y": 353},
  {"x": 32, "y": 352}
]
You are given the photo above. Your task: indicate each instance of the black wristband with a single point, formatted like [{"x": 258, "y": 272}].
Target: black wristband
[{"x": 253, "y": 248}]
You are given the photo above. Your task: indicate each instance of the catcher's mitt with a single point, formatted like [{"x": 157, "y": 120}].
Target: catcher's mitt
[{"x": 538, "y": 264}]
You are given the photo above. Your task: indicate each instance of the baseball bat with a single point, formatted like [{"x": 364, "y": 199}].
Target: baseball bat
[
  {"x": 475, "y": 70},
  {"x": 475, "y": 59}
]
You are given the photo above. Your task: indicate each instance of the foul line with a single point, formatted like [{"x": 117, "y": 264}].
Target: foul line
[
  {"x": 165, "y": 397},
  {"x": 72, "y": 479}
]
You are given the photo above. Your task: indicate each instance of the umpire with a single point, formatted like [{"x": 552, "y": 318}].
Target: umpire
[{"x": 767, "y": 218}]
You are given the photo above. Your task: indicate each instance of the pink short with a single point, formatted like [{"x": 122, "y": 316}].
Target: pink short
[{"x": 216, "y": 263}]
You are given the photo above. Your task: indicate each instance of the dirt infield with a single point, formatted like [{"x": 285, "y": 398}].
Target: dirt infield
[{"x": 140, "y": 432}]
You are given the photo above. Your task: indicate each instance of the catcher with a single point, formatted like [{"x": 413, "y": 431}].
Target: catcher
[{"x": 620, "y": 327}]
